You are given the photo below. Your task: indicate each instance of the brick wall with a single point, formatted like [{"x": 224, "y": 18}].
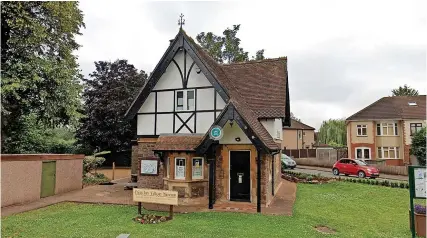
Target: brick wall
[
  {"x": 406, "y": 155},
  {"x": 144, "y": 148},
  {"x": 353, "y": 147}
]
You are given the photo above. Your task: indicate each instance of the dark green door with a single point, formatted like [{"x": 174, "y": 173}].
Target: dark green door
[{"x": 48, "y": 179}]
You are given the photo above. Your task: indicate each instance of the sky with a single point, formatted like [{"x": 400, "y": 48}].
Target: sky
[{"x": 342, "y": 55}]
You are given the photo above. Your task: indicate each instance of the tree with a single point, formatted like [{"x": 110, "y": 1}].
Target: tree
[
  {"x": 404, "y": 91},
  {"x": 108, "y": 94},
  {"x": 333, "y": 131},
  {"x": 418, "y": 146},
  {"x": 294, "y": 117},
  {"x": 226, "y": 48},
  {"x": 40, "y": 75}
]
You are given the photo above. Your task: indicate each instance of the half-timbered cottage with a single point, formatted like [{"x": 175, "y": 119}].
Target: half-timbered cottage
[{"x": 189, "y": 93}]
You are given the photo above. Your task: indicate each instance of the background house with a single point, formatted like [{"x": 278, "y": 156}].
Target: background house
[
  {"x": 298, "y": 136},
  {"x": 383, "y": 129}
]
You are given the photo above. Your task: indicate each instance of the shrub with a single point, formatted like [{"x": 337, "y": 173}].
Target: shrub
[
  {"x": 407, "y": 185},
  {"x": 359, "y": 181},
  {"x": 309, "y": 178},
  {"x": 386, "y": 183},
  {"x": 92, "y": 162},
  {"x": 373, "y": 182},
  {"x": 377, "y": 182},
  {"x": 402, "y": 185},
  {"x": 418, "y": 146}
]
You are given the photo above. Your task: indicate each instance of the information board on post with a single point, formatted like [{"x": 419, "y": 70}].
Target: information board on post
[
  {"x": 417, "y": 189},
  {"x": 166, "y": 197}
]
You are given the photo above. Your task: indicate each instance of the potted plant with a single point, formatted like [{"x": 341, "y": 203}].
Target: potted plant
[{"x": 420, "y": 220}]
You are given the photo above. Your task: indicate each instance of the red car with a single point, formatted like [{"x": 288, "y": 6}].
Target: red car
[{"x": 355, "y": 167}]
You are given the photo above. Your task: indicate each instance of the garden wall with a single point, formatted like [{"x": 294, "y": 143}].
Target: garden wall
[
  {"x": 21, "y": 176},
  {"x": 328, "y": 162}
]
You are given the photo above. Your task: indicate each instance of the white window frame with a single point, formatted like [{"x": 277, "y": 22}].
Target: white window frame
[
  {"x": 360, "y": 128},
  {"x": 363, "y": 151},
  {"x": 417, "y": 126},
  {"x": 176, "y": 167},
  {"x": 388, "y": 149},
  {"x": 192, "y": 168},
  {"x": 387, "y": 125},
  {"x": 299, "y": 134},
  {"x": 185, "y": 100},
  {"x": 167, "y": 165}
]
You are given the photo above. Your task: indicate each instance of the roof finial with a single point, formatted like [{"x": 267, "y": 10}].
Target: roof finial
[{"x": 181, "y": 21}]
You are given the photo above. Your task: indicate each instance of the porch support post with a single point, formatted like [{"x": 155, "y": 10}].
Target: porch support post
[
  {"x": 258, "y": 187},
  {"x": 211, "y": 181}
]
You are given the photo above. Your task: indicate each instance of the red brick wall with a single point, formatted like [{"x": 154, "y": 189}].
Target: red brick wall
[
  {"x": 353, "y": 146},
  {"x": 406, "y": 155},
  {"x": 144, "y": 149}
]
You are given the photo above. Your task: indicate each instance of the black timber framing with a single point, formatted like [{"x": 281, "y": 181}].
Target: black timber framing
[
  {"x": 176, "y": 112},
  {"x": 155, "y": 113},
  {"x": 177, "y": 89},
  {"x": 287, "y": 121},
  {"x": 180, "y": 42},
  {"x": 184, "y": 123}
]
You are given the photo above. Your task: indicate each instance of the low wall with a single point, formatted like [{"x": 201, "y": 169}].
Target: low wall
[
  {"x": 329, "y": 162},
  {"x": 21, "y": 176}
]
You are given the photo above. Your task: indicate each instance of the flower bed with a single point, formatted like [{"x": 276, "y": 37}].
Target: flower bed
[
  {"x": 150, "y": 219},
  {"x": 306, "y": 178}
]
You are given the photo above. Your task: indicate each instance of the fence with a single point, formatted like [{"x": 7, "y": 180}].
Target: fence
[
  {"x": 327, "y": 157},
  {"x": 301, "y": 153}
]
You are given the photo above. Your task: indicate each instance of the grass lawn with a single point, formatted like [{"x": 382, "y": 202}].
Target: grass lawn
[{"x": 353, "y": 210}]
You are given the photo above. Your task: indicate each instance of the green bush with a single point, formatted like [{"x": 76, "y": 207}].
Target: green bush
[
  {"x": 309, "y": 178},
  {"x": 377, "y": 182},
  {"x": 373, "y": 182},
  {"x": 402, "y": 185},
  {"x": 407, "y": 185},
  {"x": 97, "y": 178}
]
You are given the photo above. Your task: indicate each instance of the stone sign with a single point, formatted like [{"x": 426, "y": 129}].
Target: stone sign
[{"x": 155, "y": 196}]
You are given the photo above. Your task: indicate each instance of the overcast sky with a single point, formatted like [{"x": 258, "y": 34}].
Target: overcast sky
[{"x": 342, "y": 55}]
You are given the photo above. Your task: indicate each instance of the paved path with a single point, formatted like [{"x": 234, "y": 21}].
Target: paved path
[
  {"x": 328, "y": 173},
  {"x": 115, "y": 194}
]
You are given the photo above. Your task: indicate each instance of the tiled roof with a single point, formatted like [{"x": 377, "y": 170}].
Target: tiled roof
[
  {"x": 298, "y": 125},
  {"x": 256, "y": 88},
  {"x": 396, "y": 107},
  {"x": 177, "y": 142}
]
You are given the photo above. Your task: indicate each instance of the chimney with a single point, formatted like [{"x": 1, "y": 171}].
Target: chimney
[{"x": 170, "y": 41}]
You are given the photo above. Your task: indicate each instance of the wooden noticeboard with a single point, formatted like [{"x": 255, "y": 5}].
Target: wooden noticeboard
[{"x": 156, "y": 196}]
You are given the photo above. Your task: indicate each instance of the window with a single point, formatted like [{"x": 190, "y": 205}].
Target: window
[
  {"x": 179, "y": 168},
  {"x": 415, "y": 127},
  {"x": 185, "y": 100},
  {"x": 388, "y": 152},
  {"x": 197, "y": 170},
  {"x": 299, "y": 135},
  {"x": 363, "y": 153},
  {"x": 362, "y": 130},
  {"x": 387, "y": 129}
]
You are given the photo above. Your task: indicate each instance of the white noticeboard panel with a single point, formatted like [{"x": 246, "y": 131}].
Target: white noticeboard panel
[
  {"x": 149, "y": 167},
  {"x": 420, "y": 182}
]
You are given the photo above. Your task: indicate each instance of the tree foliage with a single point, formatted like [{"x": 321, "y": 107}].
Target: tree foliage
[
  {"x": 294, "y": 117},
  {"x": 35, "y": 137},
  {"x": 404, "y": 91},
  {"x": 108, "y": 93},
  {"x": 333, "y": 132},
  {"x": 40, "y": 75},
  {"x": 226, "y": 48},
  {"x": 418, "y": 146}
]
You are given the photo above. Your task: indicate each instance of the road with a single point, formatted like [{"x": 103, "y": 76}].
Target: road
[{"x": 328, "y": 173}]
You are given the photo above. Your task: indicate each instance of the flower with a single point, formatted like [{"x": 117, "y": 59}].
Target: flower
[{"x": 420, "y": 209}]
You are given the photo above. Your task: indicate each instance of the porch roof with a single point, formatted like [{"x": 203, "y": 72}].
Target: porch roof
[{"x": 177, "y": 142}]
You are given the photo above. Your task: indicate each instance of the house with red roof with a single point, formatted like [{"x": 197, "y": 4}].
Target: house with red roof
[
  {"x": 383, "y": 130},
  {"x": 215, "y": 129}
]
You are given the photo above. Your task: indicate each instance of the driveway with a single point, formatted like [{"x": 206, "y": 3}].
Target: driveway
[{"x": 328, "y": 173}]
